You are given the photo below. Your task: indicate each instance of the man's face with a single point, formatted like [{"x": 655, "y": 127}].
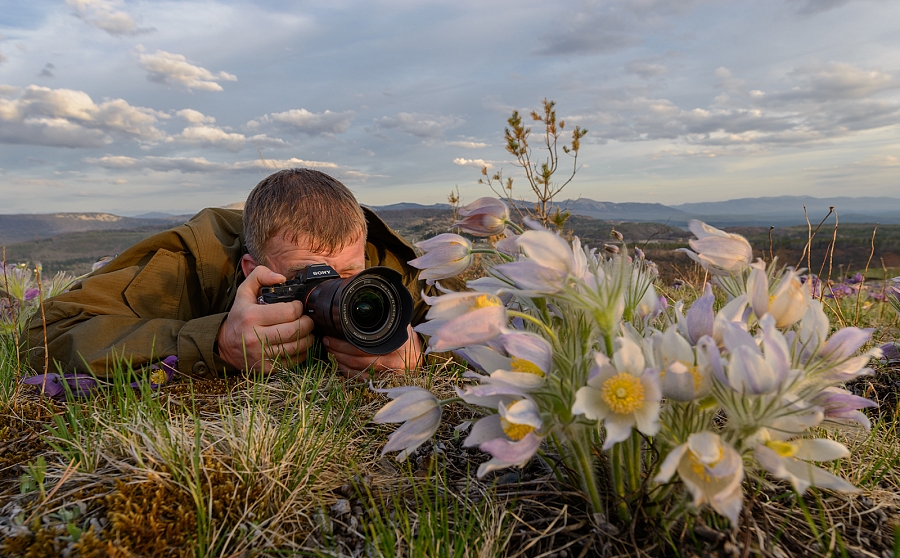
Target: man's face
[{"x": 287, "y": 258}]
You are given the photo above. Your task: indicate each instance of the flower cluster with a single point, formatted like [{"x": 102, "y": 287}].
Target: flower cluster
[
  {"x": 574, "y": 345},
  {"x": 20, "y": 294}
]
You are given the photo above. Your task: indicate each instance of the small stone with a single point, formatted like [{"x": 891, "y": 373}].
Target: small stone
[{"x": 341, "y": 507}]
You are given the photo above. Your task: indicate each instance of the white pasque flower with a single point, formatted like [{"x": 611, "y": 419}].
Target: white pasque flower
[
  {"x": 446, "y": 255},
  {"x": 684, "y": 375},
  {"x": 420, "y": 412},
  {"x": 483, "y": 217},
  {"x": 511, "y": 436},
  {"x": 520, "y": 373},
  {"x": 711, "y": 470},
  {"x": 791, "y": 461},
  {"x": 547, "y": 262},
  {"x": 717, "y": 251},
  {"x": 621, "y": 393},
  {"x": 459, "y": 319},
  {"x": 787, "y": 302}
]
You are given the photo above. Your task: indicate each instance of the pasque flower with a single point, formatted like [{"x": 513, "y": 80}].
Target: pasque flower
[
  {"x": 446, "y": 255},
  {"x": 420, "y": 412},
  {"x": 483, "y": 217},
  {"x": 685, "y": 376},
  {"x": 717, "y": 251},
  {"x": 511, "y": 436},
  {"x": 547, "y": 261},
  {"x": 522, "y": 372},
  {"x": 787, "y": 302},
  {"x": 791, "y": 461},
  {"x": 460, "y": 319},
  {"x": 842, "y": 407},
  {"x": 622, "y": 393},
  {"x": 711, "y": 470}
]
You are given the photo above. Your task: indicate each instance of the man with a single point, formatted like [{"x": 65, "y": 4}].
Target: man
[{"x": 192, "y": 291}]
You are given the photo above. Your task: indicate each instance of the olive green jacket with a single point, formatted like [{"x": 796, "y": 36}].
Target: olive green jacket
[{"x": 169, "y": 294}]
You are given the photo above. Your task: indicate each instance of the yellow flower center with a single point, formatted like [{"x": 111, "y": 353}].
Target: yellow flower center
[
  {"x": 515, "y": 431},
  {"x": 702, "y": 469},
  {"x": 522, "y": 365},
  {"x": 784, "y": 449},
  {"x": 695, "y": 373},
  {"x": 486, "y": 301},
  {"x": 623, "y": 393},
  {"x": 158, "y": 377}
]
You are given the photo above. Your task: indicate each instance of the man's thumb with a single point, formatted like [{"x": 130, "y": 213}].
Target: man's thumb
[{"x": 261, "y": 276}]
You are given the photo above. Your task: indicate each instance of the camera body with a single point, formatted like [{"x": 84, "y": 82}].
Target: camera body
[{"x": 371, "y": 309}]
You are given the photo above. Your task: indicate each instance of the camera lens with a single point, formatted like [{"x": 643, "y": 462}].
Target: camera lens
[{"x": 368, "y": 309}]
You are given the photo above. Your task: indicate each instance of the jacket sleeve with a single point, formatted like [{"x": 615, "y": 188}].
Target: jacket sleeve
[{"x": 135, "y": 314}]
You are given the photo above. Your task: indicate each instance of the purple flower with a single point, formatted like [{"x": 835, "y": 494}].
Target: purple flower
[
  {"x": 857, "y": 278},
  {"x": 81, "y": 385},
  {"x": 890, "y": 351},
  {"x": 161, "y": 373},
  {"x": 31, "y": 293},
  {"x": 700, "y": 316},
  {"x": 483, "y": 217},
  {"x": 446, "y": 255}
]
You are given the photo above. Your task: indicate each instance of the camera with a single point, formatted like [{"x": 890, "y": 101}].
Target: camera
[{"x": 371, "y": 309}]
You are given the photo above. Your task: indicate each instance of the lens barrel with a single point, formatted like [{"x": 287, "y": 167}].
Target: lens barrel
[{"x": 371, "y": 310}]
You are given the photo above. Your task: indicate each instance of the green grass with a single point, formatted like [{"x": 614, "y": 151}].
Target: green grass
[{"x": 271, "y": 465}]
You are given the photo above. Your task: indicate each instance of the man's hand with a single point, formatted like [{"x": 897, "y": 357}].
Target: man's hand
[
  {"x": 254, "y": 335},
  {"x": 352, "y": 361}
]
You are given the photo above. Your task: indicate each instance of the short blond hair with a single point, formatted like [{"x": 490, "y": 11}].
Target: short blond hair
[{"x": 304, "y": 203}]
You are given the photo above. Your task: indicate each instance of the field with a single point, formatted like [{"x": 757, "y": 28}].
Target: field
[{"x": 291, "y": 464}]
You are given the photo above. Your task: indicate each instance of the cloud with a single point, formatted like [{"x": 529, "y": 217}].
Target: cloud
[
  {"x": 200, "y": 164},
  {"x": 105, "y": 15},
  {"x": 837, "y": 80},
  {"x": 646, "y": 68},
  {"x": 262, "y": 140},
  {"x": 812, "y": 7},
  {"x": 468, "y": 144},
  {"x": 3, "y": 58},
  {"x": 210, "y": 136},
  {"x": 45, "y": 72},
  {"x": 303, "y": 121},
  {"x": 174, "y": 69},
  {"x": 68, "y": 118},
  {"x": 604, "y": 26},
  {"x": 477, "y": 163},
  {"x": 822, "y": 103},
  {"x": 422, "y": 126},
  {"x": 195, "y": 116}
]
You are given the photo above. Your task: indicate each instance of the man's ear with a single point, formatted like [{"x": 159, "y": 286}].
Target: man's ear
[{"x": 248, "y": 264}]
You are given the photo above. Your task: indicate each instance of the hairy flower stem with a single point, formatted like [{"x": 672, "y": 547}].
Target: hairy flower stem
[
  {"x": 584, "y": 465},
  {"x": 608, "y": 340},
  {"x": 617, "y": 474},
  {"x": 633, "y": 462}
]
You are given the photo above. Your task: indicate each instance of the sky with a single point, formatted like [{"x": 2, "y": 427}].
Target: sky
[{"x": 129, "y": 107}]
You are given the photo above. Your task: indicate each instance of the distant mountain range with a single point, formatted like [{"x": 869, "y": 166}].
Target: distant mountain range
[
  {"x": 765, "y": 211},
  {"x": 21, "y": 228}
]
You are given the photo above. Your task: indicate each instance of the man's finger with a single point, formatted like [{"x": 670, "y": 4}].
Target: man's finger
[
  {"x": 261, "y": 276},
  {"x": 285, "y": 332}
]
